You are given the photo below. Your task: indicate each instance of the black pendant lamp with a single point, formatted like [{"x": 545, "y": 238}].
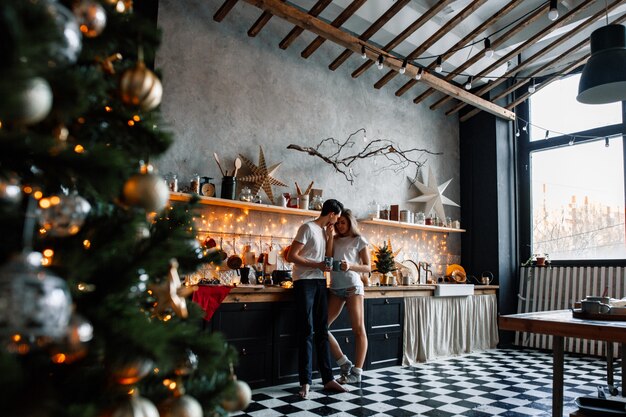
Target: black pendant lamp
[{"x": 604, "y": 77}]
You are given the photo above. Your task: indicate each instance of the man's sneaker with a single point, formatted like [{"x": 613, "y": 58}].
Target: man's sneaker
[
  {"x": 351, "y": 378},
  {"x": 345, "y": 368}
]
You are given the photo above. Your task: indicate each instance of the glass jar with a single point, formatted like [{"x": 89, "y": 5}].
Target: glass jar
[
  {"x": 194, "y": 184},
  {"x": 373, "y": 209},
  {"x": 172, "y": 182},
  {"x": 245, "y": 194},
  {"x": 316, "y": 203},
  {"x": 385, "y": 212}
]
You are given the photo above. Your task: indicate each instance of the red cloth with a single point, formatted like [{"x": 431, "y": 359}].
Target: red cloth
[{"x": 210, "y": 298}]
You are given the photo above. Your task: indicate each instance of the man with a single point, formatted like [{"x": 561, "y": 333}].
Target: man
[{"x": 307, "y": 254}]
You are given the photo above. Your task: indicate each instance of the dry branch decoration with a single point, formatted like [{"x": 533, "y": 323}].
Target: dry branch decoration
[{"x": 397, "y": 159}]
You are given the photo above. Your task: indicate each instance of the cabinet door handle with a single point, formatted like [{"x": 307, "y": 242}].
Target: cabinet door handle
[
  {"x": 245, "y": 307},
  {"x": 244, "y": 352},
  {"x": 386, "y": 301},
  {"x": 386, "y": 336}
]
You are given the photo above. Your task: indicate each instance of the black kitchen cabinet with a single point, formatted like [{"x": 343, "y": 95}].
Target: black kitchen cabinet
[
  {"x": 384, "y": 320},
  {"x": 265, "y": 336}
]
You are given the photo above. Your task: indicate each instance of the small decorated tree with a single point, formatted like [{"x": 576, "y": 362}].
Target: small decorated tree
[{"x": 384, "y": 262}]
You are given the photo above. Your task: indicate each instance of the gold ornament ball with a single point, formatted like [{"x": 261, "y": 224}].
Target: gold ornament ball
[
  {"x": 241, "y": 398},
  {"x": 129, "y": 370},
  {"x": 133, "y": 406},
  {"x": 140, "y": 87},
  {"x": 148, "y": 191},
  {"x": 183, "y": 406}
]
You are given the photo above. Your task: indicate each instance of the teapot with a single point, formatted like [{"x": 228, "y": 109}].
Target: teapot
[{"x": 486, "y": 278}]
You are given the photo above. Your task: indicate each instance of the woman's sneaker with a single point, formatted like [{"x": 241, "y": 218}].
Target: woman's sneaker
[
  {"x": 345, "y": 369},
  {"x": 351, "y": 378}
]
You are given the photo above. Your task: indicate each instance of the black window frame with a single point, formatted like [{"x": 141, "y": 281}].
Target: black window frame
[{"x": 524, "y": 149}]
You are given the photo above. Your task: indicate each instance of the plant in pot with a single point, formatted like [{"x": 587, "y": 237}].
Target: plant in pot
[
  {"x": 385, "y": 264},
  {"x": 538, "y": 259}
]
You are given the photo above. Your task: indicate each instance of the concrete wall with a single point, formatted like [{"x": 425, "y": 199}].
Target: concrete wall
[{"x": 228, "y": 93}]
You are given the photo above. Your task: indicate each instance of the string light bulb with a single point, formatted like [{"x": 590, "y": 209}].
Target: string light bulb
[
  {"x": 553, "y": 13},
  {"x": 380, "y": 61},
  {"x": 488, "y": 50},
  {"x": 547, "y": 134},
  {"x": 531, "y": 87},
  {"x": 517, "y": 133},
  {"x": 606, "y": 141},
  {"x": 418, "y": 75},
  {"x": 403, "y": 68},
  {"x": 571, "y": 141},
  {"x": 439, "y": 67},
  {"x": 468, "y": 84},
  {"x": 363, "y": 54},
  {"x": 525, "y": 128}
]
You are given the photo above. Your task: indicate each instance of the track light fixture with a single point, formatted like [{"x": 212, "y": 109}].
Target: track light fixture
[
  {"x": 403, "y": 69},
  {"x": 488, "y": 50},
  {"x": 380, "y": 61},
  {"x": 439, "y": 67},
  {"x": 553, "y": 13},
  {"x": 531, "y": 87},
  {"x": 418, "y": 76},
  {"x": 363, "y": 54},
  {"x": 468, "y": 84}
]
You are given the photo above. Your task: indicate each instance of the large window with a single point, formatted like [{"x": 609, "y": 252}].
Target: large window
[{"x": 575, "y": 182}]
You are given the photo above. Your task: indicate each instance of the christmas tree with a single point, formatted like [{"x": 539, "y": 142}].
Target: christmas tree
[
  {"x": 384, "y": 260},
  {"x": 93, "y": 319}
]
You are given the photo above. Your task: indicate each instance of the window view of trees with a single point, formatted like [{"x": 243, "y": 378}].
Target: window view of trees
[{"x": 576, "y": 187}]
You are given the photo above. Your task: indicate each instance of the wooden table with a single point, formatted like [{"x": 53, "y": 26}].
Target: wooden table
[{"x": 561, "y": 324}]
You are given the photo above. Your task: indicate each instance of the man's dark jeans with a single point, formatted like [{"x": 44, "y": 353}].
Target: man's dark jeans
[{"x": 312, "y": 321}]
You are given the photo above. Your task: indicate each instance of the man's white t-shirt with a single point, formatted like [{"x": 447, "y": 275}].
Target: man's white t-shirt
[
  {"x": 347, "y": 249},
  {"x": 313, "y": 237}
]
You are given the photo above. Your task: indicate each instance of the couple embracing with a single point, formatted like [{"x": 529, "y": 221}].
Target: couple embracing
[{"x": 334, "y": 233}]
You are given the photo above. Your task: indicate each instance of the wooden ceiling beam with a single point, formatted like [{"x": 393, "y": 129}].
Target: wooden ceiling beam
[
  {"x": 370, "y": 31},
  {"x": 297, "y": 30},
  {"x": 224, "y": 9},
  {"x": 346, "y": 40},
  {"x": 524, "y": 64},
  {"x": 443, "y": 30},
  {"x": 466, "y": 39},
  {"x": 537, "y": 14},
  {"x": 572, "y": 67},
  {"x": 259, "y": 24},
  {"x": 430, "y": 13},
  {"x": 523, "y": 81},
  {"x": 525, "y": 45},
  {"x": 340, "y": 20}
]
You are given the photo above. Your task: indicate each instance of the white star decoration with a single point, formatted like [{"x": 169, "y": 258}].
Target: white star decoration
[
  {"x": 432, "y": 195},
  {"x": 262, "y": 177}
]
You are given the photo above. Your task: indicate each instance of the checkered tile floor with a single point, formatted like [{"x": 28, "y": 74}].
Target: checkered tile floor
[{"x": 503, "y": 382}]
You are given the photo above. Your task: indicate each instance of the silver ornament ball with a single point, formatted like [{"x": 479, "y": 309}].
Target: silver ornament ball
[
  {"x": 91, "y": 17},
  {"x": 66, "y": 52},
  {"x": 33, "y": 101},
  {"x": 134, "y": 406},
  {"x": 33, "y": 302},
  {"x": 66, "y": 214}
]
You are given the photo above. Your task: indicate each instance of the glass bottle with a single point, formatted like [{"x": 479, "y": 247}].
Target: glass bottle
[{"x": 194, "y": 183}]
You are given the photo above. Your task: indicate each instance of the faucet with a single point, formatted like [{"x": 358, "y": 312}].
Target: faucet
[{"x": 426, "y": 267}]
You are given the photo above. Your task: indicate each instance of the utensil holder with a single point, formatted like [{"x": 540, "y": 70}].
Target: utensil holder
[{"x": 229, "y": 186}]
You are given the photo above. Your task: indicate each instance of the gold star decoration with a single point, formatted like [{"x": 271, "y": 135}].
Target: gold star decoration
[
  {"x": 433, "y": 196},
  {"x": 262, "y": 177},
  {"x": 169, "y": 294}
]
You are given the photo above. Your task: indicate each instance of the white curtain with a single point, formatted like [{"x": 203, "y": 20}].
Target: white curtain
[{"x": 443, "y": 326}]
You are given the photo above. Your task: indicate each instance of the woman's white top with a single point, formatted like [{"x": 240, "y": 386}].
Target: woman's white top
[{"x": 347, "y": 249}]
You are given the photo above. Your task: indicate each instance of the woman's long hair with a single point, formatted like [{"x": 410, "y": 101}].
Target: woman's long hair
[{"x": 353, "y": 230}]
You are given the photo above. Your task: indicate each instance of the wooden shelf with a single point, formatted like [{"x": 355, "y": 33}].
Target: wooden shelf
[
  {"x": 221, "y": 202},
  {"x": 395, "y": 223}
]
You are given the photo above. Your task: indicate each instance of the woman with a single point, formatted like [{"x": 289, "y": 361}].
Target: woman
[{"x": 348, "y": 247}]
